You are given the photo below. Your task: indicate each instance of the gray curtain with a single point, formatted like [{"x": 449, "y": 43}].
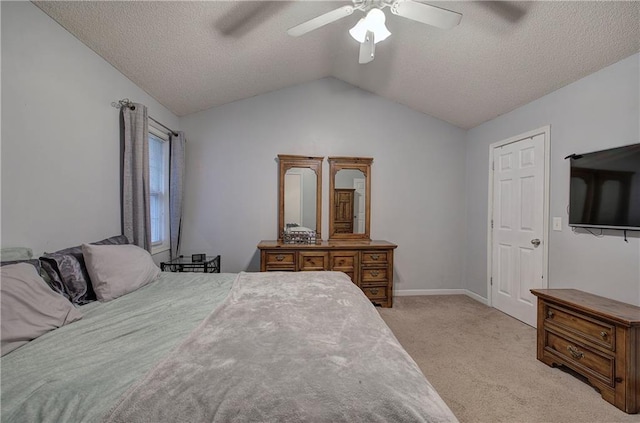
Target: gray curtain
[
  {"x": 136, "y": 220},
  {"x": 176, "y": 185}
]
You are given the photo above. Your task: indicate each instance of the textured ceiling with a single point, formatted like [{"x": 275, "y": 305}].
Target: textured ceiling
[{"x": 192, "y": 56}]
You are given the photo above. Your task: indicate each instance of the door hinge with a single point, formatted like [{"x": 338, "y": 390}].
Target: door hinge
[
  {"x": 491, "y": 280},
  {"x": 493, "y": 165},
  {"x": 491, "y": 223}
]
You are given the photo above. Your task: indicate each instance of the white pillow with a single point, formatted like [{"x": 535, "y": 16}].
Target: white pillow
[
  {"x": 29, "y": 307},
  {"x": 116, "y": 270}
]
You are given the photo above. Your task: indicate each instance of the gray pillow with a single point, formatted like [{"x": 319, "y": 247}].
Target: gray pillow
[
  {"x": 116, "y": 270},
  {"x": 28, "y": 307},
  {"x": 15, "y": 253},
  {"x": 68, "y": 273},
  {"x": 34, "y": 262}
]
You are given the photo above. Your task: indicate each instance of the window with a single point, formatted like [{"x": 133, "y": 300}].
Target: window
[{"x": 159, "y": 189}]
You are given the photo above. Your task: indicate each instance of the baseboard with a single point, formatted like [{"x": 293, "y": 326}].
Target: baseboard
[
  {"x": 476, "y": 297},
  {"x": 412, "y": 292}
]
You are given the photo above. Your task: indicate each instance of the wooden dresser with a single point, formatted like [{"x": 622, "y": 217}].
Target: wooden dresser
[
  {"x": 368, "y": 263},
  {"x": 597, "y": 337}
]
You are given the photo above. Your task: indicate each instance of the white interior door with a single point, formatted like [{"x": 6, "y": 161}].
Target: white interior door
[
  {"x": 518, "y": 260},
  {"x": 359, "y": 212}
]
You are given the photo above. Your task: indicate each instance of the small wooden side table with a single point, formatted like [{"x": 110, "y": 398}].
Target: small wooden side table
[{"x": 597, "y": 337}]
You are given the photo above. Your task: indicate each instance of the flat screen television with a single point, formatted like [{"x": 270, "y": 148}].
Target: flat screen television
[{"x": 605, "y": 189}]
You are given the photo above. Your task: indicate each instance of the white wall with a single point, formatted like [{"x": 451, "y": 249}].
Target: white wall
[
  {"x": 417, "y": 200},
  {"x": 60, "y": 135},
  {"x": 597, "y": 112}
]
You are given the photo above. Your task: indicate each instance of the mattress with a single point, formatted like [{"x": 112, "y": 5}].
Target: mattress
[{"x": 268, "y": 347}]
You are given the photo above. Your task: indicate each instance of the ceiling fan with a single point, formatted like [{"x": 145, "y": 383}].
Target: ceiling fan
[{"x": 370, "y": 30}]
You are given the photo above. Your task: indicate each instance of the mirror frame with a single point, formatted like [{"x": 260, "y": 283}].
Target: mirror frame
[
  {"x": 286, "y": 162},
  {"x": 363, "y": 164}
]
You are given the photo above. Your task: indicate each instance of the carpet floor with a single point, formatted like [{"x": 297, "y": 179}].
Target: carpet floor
[{"x": 483, "y": 364}]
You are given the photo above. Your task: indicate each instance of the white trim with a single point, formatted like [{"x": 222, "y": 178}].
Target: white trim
[
  {"x": 412, "y": 292},
  {"x": 158, "y": 131},
  {"x": 415, "y": 292},
  {"x": 479, "y": 298},
  {"x": 546, "y": 130}
]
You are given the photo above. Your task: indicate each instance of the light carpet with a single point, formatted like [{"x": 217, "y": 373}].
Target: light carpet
[{"x": 483, "y": 364}]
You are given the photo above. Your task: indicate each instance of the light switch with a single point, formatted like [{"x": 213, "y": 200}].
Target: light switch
[{"x": 557, "y": 223}]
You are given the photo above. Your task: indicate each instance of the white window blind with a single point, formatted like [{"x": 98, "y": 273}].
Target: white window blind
[{"x": 159, "y": 189}]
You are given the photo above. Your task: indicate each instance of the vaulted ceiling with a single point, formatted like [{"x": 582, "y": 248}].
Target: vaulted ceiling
[{"x": 192, "y": 56}]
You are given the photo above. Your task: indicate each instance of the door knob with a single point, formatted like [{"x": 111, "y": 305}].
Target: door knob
[{"x": 535, "y": 242}]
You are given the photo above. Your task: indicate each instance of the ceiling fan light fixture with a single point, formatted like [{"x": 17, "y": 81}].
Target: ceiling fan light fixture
[{"x": 374, "y": 22}]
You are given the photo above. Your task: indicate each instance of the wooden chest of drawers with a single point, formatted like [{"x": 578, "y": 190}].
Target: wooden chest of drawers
[
  {"x": 369, "y": 264},
  {"x": 597, "y": 337}
]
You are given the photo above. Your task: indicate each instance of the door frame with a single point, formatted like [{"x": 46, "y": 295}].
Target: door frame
[{"x": 546, "y": 130}]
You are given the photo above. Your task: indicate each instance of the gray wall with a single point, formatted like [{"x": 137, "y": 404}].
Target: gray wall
[
  {"x": 60, "y": 163},
  {"x": 597, "y": 112},
  {"x": 417, "y": 200},
  {"x": 60, "y": 135}
]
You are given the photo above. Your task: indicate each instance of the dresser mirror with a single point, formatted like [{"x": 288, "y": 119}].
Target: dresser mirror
[
  {"x": 349, "y": 197},
  {"x": 299, "y": 194}
]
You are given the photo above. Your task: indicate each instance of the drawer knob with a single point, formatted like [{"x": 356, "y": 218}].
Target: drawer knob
[
  {"x": 279, "y": 257},
  {"x": 576, "y": 353},
  {"x": 374, "y": 291},
  {"x": 375, "y": 256},
  {"x": 550, "y": 314},
  {"x": 604, "y": 334},
  {"x": 374, "y": 273}
]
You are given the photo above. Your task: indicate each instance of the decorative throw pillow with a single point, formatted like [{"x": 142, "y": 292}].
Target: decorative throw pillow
[
  {"x": 116, "y": 270},
  {"x": 53, "y": 278},
  {"x": 68, "y": 273},
  {"x": 28, "y": 307}
]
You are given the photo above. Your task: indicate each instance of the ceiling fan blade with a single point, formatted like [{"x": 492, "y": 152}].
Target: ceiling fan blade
[
  {"x": 319, "y": 21},
  {"x": 425, "y": 13},
  {"x": 367, "y": 49},
  {"x": 509, "y": 11}
]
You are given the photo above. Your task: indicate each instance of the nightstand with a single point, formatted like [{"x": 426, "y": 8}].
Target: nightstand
[{"x": 211, "y": 264}]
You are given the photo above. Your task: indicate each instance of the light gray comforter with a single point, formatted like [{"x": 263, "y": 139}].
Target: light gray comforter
[
  {"x": 77, "y": 373},
  {"x": 286, "y": 347}
]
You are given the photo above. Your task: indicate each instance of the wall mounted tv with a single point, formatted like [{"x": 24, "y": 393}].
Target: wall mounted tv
[{"x": 605, "y": 189}]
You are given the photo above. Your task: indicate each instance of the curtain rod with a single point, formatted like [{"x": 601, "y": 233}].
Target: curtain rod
[
  {"x": 125, "y": 102},
  {"x": 165, "y": 127}
]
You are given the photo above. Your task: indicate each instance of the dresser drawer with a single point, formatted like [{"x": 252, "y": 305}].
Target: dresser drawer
[
  {"x": 581, "y": 358},
  {"x": 375, "y": 292},
  {"x": 374, "y": 258},
  {"x": 280, "y": 260},
  {"x": 314, "y": 260},
  {"x": 345, "y": 261},
  {"x": 374, "y": 276},
  {"x": 594, "y": 331}
]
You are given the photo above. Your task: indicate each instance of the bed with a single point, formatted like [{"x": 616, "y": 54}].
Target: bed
[{"x": 248, "y": 347}]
